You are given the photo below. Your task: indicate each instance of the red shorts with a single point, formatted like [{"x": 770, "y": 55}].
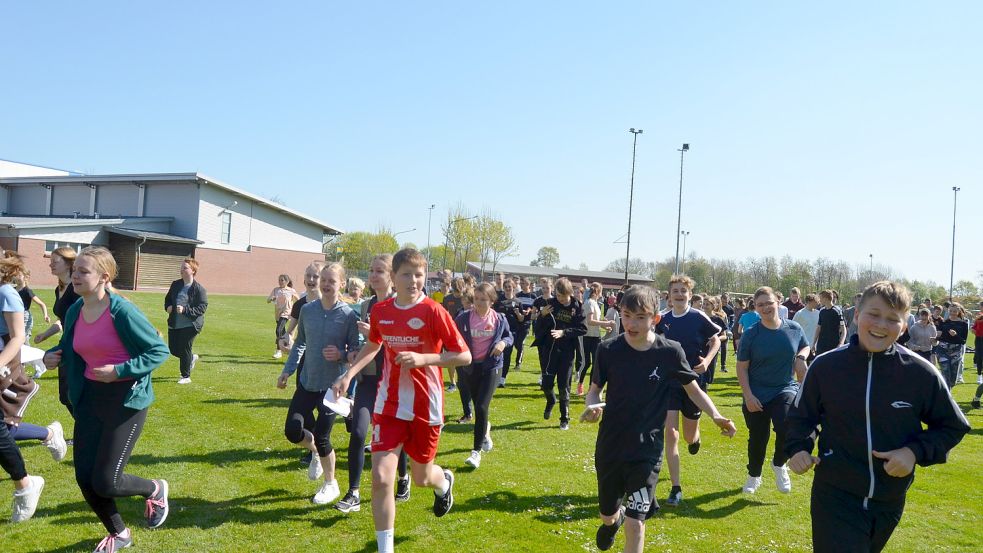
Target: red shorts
[{"x": 417, "y": 437}]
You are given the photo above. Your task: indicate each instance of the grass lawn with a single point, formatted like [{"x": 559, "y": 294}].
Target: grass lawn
[{"x": 236, "y": 484}]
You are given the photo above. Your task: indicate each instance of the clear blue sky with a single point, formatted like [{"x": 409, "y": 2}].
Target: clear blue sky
[{"x": 831, "y": 130}]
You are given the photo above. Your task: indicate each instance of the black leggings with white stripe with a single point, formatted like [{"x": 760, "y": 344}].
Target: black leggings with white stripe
[{"x": 105, "y": 434}]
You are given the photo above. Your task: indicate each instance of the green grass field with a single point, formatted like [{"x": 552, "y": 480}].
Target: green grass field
[{"x": 236, "y": 484}]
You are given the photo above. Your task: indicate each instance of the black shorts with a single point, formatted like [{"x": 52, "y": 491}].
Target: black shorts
[
  {"x": 628, "y": 482},
  {"x": 680, "y": 401}
]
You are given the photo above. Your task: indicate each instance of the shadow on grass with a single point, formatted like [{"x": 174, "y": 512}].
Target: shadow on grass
[
  {"x": 693, "y": 507},
  {"x": 468, "y": 428},
  {"x": 549, "y": 508},
  {"x": 214, "y": 458},
  {"x": 260, "y": 402},
  {"x": 371, "y": 547}
]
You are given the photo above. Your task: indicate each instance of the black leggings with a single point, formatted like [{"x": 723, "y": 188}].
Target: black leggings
[
  {"x": 723, "y": 353},
  {"x": 63, "y": 391},
  {"x": 977, "y": 354},
  {"x": 181, "y": 341},
  {"x": 300, "y": 415},
  {"x": 105, "y": 435},
  {"x": 775, "y": 412},
  {"x": 481, "y": 384},
  {"x": 590, "y": 348},
  {"x": 559, "y": 369},
  {"x": 365, "y": 394},
  {"x": 281, "y": 330},
  {"x": 464, "y": 392},
  {"x": 10, "y": 457}
]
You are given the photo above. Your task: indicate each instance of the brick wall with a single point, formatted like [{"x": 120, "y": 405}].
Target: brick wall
[
  {"x": 252, "y": 272},
  {"x": 36, "y": 262}
]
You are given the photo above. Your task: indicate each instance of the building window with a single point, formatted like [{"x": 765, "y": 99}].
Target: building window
[
  {"x": 51, "y": 245},
  {"x": 226, "y": 227}
]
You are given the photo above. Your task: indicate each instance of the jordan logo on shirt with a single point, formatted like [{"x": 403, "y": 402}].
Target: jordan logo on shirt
[{"x": 655, "y": 374}]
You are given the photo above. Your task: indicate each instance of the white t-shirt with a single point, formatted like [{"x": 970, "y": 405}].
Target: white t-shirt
[
  {"x": 808, "y": 320},
  {"x": 592, "y": 311},
  {"x": 613, "y": 315}
]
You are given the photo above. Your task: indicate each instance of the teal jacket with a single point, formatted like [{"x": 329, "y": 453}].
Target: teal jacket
[{"x": 146, "y": 348}]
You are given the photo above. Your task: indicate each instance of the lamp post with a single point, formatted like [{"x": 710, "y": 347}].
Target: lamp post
[
  {"x": 685, "y": 234},
  {"x": 395, "y": 234},
  {"x": 871, "y": 266},
  {"x": 429, "y": 218},
  {"x": 631, "y": 196},
  {"x": 450, "y": 228},
  {"x": 679, "y": 213},
  {"x": 952, "y": 262}
]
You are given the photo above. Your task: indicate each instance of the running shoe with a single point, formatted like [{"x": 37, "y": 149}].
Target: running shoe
[
  {"x": 464, "y": 419},
  {"x": 548, "y": 412},
  {"x": 194, "y": 361},
  {"x": 976, "y": 403},
  {"x": 487, "y": 444},
  {"x": 314, "y": 469},
  {"x": 112, "y": 542},
  {"x": 752, "y": 484},
  {"x": 452, "y": 387},
  {"x": 501, "y": 382},
  {"x": 26, "y": 500},
  {"x": 442, "y": 503},
  {"x": 157, "y": 506},
  {"x": 56, "y": 444},
  {"x": 605, "y": 534},
  {"x": 694, "y": 447},
  {"x": 277, "y": 354},
  {"x": 184, "y": 380},
  {"x": 960, "y": 380},
  {"x": 979, "y": 379},
  {"x": 403, "y": 489},
  {"x": 782, "y": 481},
  {"x": 349, "y": 503},
  {"x": 564, "y": 425},
  {"x": 474, "y": 459},
  {"x": 327, "y": 493},
  {"x": 675, "y": 497}
]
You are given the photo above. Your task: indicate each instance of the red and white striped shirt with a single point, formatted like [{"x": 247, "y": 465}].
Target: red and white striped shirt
[{"x": 423, "y": 327}]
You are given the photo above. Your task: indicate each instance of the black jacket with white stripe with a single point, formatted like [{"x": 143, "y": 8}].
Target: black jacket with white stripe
[{"x": 861, "y": 402}]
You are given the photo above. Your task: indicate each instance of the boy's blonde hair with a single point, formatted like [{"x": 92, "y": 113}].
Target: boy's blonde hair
[
  {"x": 684, "y": 280},
  {"x": 563, "y": 286},
  {"x": 896, "y": 295}
]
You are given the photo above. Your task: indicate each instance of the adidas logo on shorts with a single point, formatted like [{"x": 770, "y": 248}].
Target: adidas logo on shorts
[{"x": 639, "y": 501}]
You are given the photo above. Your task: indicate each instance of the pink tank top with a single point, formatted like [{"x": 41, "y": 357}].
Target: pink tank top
[{"x": 98, "y": 343}]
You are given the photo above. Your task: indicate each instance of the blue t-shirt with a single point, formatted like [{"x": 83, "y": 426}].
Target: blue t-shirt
[
  {"x": 771, "y": 354},
  {"x": 749, "y": 319},
  {"x": 10, "y": 302},
  {"x": 692, "y": 330}
]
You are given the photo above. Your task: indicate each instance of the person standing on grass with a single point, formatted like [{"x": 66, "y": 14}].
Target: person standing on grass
[
  {"x": 515, "y": 313},
  {"x": 711, "y": 306},
  {"x": 420, "y": 338},
  {"x": 328, "y": 327},
  {"x": 380, "y": 280},
  {"x": 282, "y": 297},
  {"x": 770, "y": 363},
  {"x": 830, "y": 330},
  {"x": 794, "y": 304},
  {"x": 698, "y": 337},
  {"x": 62, "y": 260},
  {"x": 922, "y": 335},
  {"x": 486, "y": 333},
  {"x": 108, "y": 351},
  {"x": 952, "y": 340},
  {"x": 558, "y": 329},
  {"x": 638, "y": 369},
  {"x": 808, "y": 319},
  {"x": 528, "y": 297},
  {"x": 882, "y": 409},
  {"x": 595, "y": 322},
  {"x": 185, "y": 302}
]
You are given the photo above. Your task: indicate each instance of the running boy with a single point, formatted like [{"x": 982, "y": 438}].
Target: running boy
[
  {"x": 420, "y": 337},
  {"x": 871, "y": 399},
  {"x": 640, "y": 369},
  {"x": 698, "y": 337}
]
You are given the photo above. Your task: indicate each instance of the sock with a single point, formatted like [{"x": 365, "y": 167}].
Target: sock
[
  {"x": 384, "y": 539},
  {"x": 676, "y": 489},
  {"x": 441, "y": 491},
  {"x": 354, "y": 491},
  {"x": 125, "y": 533}
]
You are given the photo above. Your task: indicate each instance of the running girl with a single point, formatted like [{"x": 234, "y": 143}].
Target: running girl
[
  {"x": 108, "y": 351},
  {"x": 61, "y": 264},
  {"x": 328, "y": 327},
  {"x": 282, "y": 297}
]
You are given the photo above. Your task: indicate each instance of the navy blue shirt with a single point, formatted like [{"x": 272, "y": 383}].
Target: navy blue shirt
[
  {"x": 692, "y": 330},
  {"x": 771, "y": 354}
]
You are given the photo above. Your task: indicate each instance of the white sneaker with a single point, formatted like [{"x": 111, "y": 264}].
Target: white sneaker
[
  {"x": 26, "y": 501},
  {"x": 328, "y": 492},
  {"x": 752, "y": 484},
  {"x": 960, "y": 380},
  {"x": 979, "y": 379},
  {"x": 56, "y": 445},
  {"x": 488, "y": 444},
  {"x": 314, "y": 470},
  {"x": 184, "y": 380},
  {"x": 194, "y": 360},
  {"x": 277, "y": 354},
  {"x": 781, "y": 478},
  {"x": 474, "y": 459}
]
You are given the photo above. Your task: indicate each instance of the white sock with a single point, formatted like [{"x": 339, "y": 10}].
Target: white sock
[
  {"x": 441, "y": 491},
  {"x": 384, "y": 538}
]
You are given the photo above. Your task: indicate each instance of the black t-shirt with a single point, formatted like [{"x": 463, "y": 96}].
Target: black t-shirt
[
  {"x": 719, "y": 321},
  {"x": 26, "y": 296},
  {"x": 64, "y": 301},
  {"x": 295, "y": 310},
  {"x": 730, "y": 314},
  {"x": 530, "y": 300},
  {"x": 638, "y": 388},
  {"x": 507, "y": 307},
  {"x": 693, "y": 330},
  {"x": 830, "y": 320},
  {"x": 452, "y": 304}
]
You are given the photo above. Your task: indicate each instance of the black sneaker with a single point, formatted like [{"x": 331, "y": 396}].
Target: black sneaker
[
  {"x": 548, "y": 412},
  {"x": 675, "y": 497},
  {"x": 349, "y": 503},
  {"x": 694, "y": 447},
  {"x": 564, "y": 425},
  {"x": 305, "y": 459},
  {"x": 157, "y": 507},
  {"x": 976, "y": 403},
  {"x": 605, "y": 534},
  {"x": 403, "y": 489},
  {"x": 442, "y": 504}
]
